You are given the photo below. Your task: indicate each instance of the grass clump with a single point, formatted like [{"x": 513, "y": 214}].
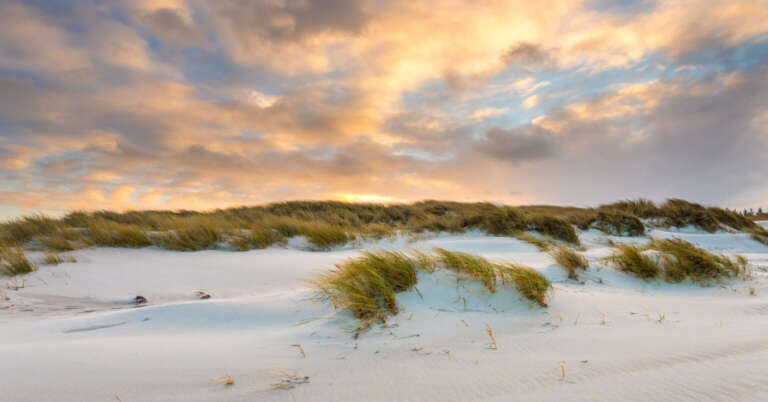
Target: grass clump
[
  {"x": 631, "y": 259},
  {"x": 684, "y": 260},
  {"x": 553, "y": 226},
  {"x": 759, "y": 234},
  {"x": 192, "y": 238},
  {"x": 469, "y": 265},
  {"x": 543, "y": 244},
  {"x": 324, "y": 236},
  {"x": 570, "y": 260},
  {"x": 530, "y": 283},
  {"x": 367, "y": 285},
  {"x": 676, "y": 260},
  {"x": 257, "y": 238},
  {"x": 105, "y": 234},
  {"x": 52, "y": 258},
  {"x": 14, "y": 262},
  {"x": 58, "y": 242},
  {"x": 640, "y": 207},
  {"x": 613, "y": 222}
]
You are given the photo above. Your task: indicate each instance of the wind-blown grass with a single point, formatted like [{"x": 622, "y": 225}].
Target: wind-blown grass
[
  {"x": 759, "y": 235},
  {"x": 570, "y": 260},
  {"x": 106, "y": 234},
  {"x": 14, "y": 262},
  {"x": 541, "y": 243},
  {"x": 684, "y": 260},
  {"x": 366, "y": 286},
  {"x": 189, "y": 238},
  {"x": 470, "y": 266},
  {"x": 632, "y": 260},
  {"x": 327, "y": 224},
  {"x": 676, "y": 260},
  {"x": 530, "y": 283}
]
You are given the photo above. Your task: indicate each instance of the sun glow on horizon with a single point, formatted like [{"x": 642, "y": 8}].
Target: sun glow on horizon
[{"x": 369, "y": 198}]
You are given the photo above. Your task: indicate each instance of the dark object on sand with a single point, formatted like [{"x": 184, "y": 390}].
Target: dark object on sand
[
  {"x": 203, "y": 295},
  {"x": 140, "y": 300}
]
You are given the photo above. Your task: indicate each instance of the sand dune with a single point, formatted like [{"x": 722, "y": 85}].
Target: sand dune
[{"x": 73, "y": 334}]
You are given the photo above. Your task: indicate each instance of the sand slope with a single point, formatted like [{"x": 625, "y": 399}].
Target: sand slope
[{"x": 71, "y": 334}]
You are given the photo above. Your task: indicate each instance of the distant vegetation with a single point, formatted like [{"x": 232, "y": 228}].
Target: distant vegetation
[
  {"x": 327, "y": 224},
  {"x": 675, "y": 260},
  {"x": 366, "y": 286}
]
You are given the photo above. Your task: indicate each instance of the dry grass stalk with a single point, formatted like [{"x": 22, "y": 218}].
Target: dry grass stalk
[
  {"x": 489, "y": 330},
  {"x": 287, "y": 381},
  {"x": 226, "y": 380},
  {"x": 562, "y": 370},
  {"x": 298, "y": 345},
  {"x": 465, "y": 323}
]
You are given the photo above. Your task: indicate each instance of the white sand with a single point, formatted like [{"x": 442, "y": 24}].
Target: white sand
[{"x": 71, "y": 334}]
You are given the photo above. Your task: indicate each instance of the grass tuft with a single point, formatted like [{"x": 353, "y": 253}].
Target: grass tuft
[
  {"x": 677, "y": 260},
  {"x": 570, "y": 260},
  {"x": 14, "y": 262},
  {"x": 469, "y": 265},
  {"x": 553, "y": 226},
  {"x": 530, "y": 283},
  {"x": 632, "y": 260},
  {"x": 106, "y": 234},
  {"x": 684, "y": 260},
  {"x": 192, "y": 238},
  {"x": 543, "y": 244},
  {"x": 367, "y": 285}
]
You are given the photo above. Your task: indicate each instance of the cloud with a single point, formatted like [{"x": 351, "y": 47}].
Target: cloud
[
  {"x": 171, "y": 103},
  {"x": 29, "y": 41},
  {"x": 486, "y": 112},
  {"x": 517, "y": 145},
  {"x": 527, "y": 55},
  {"x": 172, "y": 26}
]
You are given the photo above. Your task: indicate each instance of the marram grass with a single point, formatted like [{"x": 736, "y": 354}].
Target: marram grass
[
  {"x": 676, "y": 260},
  {"x": 14, "y": 262},
  {"x": 327, "y": 224},
  {"x": 366, "y": 286},
  {"x": 570, "y": 260}
]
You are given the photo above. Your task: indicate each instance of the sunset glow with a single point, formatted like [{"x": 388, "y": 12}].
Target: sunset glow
[{"x": 205, "y": 104}]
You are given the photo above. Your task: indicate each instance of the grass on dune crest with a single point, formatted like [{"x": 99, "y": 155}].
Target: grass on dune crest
[
  {"x": 327, "y": 224},
  {"x": 676, "y": 260},
  {"x": 570, "y": 260},
  {"x": 367, "y": 285},
  {"x": 109, "y": 234},
  {"x": 189, "y": 238}
]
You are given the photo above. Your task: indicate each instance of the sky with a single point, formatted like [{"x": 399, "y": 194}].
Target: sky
[{"x": 195, "y": 104}]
